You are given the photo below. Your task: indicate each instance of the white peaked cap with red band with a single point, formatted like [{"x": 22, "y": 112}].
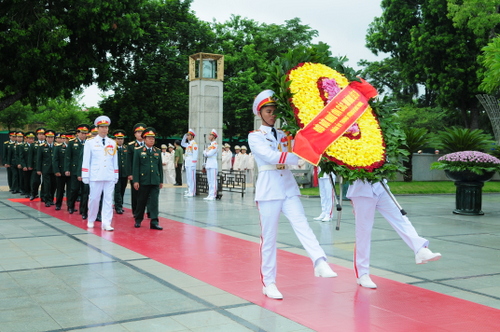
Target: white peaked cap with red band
[{"x": 262, "y": 99}]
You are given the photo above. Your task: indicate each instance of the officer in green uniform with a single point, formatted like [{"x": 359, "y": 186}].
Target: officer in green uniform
[
  {"x": 58, "y": 163},
  {"x": 45, "y": 169},
  {"x": 138, "y": 142},
  {"x": 7, "y": 157},
  {"x": 148, "y": 179},
  {"x": 26, "y": 160},
  {"x": 14, "y": 163},
  {"x": 36, "y": 179},
  {"x": 123, "y": 168},
  {"x": 73, "y": 169}
]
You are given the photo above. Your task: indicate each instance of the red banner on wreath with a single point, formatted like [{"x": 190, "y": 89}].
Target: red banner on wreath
[{"x": 333, "y": 121}]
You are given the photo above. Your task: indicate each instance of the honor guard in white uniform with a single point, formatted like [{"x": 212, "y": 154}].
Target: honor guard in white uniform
[
  {"x": 211, "y": 165},
  {"x": 326, "y": 195},
  {"x": 276, "y": 192},
  {"x": 190, "y": 161},
  {"x": 226, "y": 156},
  {"x": 100, "y": 170},
  {"x": 367, "y": 197}
]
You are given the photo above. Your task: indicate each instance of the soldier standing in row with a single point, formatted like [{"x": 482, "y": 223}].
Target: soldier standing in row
[
  {"x": 58, "y": 163},
  {"x": 73, "y": 169},
  {"x": 148, "y": 179},
  {"x": 138, "y": 142},
  {"x": 211, "y": 165},
  {"x": 123, "y": 169},
  {"x": 26, "y": 161},
  {"x": 178, "y": 162},
  {"x": 191, "y": 160},
  {"x": 45, "y": 169},
  {"x": 100, "y": 172},
  {"x": 227, "y": 156},
  {"x": 6, "y": 158},
  {"x": 17, "y": 160},
  {"x": 36, "y": 179}
]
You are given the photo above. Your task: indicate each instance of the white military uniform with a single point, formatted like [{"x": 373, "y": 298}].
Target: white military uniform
[
  {"x": 190, "y": 161},
  {"x": 276, "y": 192},
  {"x": 226, "y": 160},
  {"x": 211, "y": 167},
  {"x": 366, "y": 198},
  {"x": 326, "y": 195},
  {"x": 100, "y": 171}
]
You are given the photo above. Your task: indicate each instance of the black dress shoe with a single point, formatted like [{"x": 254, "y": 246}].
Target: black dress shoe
[
  {"x": 148, "y": 214},
  {"x": 27, "y": 196},
  {"x": 58, "y": 208},
  {"x": 119, "y": 211},
  {"x": 155, "y": 226},
  {"x": 47, "y": 204},
  {"x": 32, "y": 198},
  {"x": 84, "y": 216},
  {"x": 98, "y": 219},
  {"x": 52, "y": 203},
  {"x": 15, "y": 192},
  {"x": 137, "y": 224},
  {"x": 71, "y": 211}
]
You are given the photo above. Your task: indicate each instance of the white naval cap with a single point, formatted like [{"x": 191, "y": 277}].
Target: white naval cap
[
  {"x": 214, "y": 132},
  {"x": 102, "y": 120},
  {"x": 243, "y": 147},
  {"x": 263, "y": 98},
  {"x": 191, "y": 131}
]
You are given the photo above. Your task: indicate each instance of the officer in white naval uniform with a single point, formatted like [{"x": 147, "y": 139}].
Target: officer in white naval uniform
[
  {"x": 211, "y": 165},
  {"x": 100, "y": 171},
  {"x": 276, "y": 192},
  {"x": 367, "y": 197},
  {"x": 190, "y": 161}
]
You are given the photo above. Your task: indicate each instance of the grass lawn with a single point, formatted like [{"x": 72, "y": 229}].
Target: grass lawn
[{"x": 420, "y": 188}]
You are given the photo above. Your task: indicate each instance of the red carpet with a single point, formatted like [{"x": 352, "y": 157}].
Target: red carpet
[{"x": 336, "y": 304}]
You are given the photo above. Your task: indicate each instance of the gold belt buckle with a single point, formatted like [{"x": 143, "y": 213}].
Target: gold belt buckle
[{"x": 280, "y": 167}]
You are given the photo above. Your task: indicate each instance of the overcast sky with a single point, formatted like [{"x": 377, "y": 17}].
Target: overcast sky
[{"x": 340, "y": 24}]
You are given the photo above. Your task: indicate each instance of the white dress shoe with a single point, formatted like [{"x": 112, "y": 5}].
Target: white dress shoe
[
  {"x": 424, "y": 255},
  {"x": 272, "y": 292},
  {"x": 321, "y": 216},
  {"x": 107, "y": 228},
  {"x": 366, "y": 281},
  {"x": 209, "y": 198},
  {"x": 327, "y": 218},
  {"x": 188, "y": 195},
  {"x": 324, "y": 270},
  {"x": 90, "y": 225}
]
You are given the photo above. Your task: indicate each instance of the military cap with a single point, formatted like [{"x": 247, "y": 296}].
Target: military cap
[
  {"x": 227, "y": 145},
  {"x": 236, "y": 147},
  {"x": 163, "y": 146},
  {"x": 50, "y": 133},
  {"x": 30, "y": 134},
  {"x": 102, "y": 120},
  {"x": 191, "y": 132},
  {"x": 214, "y": 132},
  {"x": 149, "y": 132},
  {"x": 83, "y": 128},
  {"x": 262, "y": 99},
  {"x": 93, "y": 129},
  {"x": 40, "y": 130},
  {"x": 12, "y": 133},
  {"x": 139, "y": 127},
  {"x": 119, "y": 133},
  {"x": 243, "y": 147},
  {"x": 19, "y": 134},
  {"x": 171, "y": 146}
]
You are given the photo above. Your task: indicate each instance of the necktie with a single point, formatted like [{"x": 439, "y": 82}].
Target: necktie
[
  {"x": 103, "y": 141},
  {"x": 274, "y": 133}
]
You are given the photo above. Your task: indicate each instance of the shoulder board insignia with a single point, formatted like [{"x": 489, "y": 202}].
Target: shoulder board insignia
[{"x": 131, "y": 143}]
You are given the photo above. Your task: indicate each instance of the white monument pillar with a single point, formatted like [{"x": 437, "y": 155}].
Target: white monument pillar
[{"x": 206, "y": 75}]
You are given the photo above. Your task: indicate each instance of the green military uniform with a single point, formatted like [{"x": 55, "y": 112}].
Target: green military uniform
[
  {"x": 123, "y": 169},
  {"x": 139, "y": 127},
  {"x": 58, "y": 164},
  {"x": 44, "y": 165},
  {"x": 26, "y": 160},
  {"x": 7, "y": 157},
  {"x": 73, "y": 165},
  {"x": 148, "y": 172}
]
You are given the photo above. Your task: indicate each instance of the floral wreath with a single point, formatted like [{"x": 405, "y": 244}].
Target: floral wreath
[{"x": 312, "y": 86}]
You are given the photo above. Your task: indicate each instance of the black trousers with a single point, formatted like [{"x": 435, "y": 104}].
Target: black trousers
[
  {"x": 62, "y": 186},
  {"x": 27, "y": 175},
  {"x": 120, "y": 187},
  {"x": 49, "y": 187},
  {"x": 178, "y": 174}
]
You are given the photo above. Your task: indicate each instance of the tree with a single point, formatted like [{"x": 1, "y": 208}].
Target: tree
[
  {"x": 62, "y": 114},
  {"x": 49, "y": 49},
  {"x": 431, "y": 52},
  {"x": 416, "y": 139},
  {"x": 153, "y": 87},
  {"x": 16, "y": 116},
  {"x": 249, "y": 48}
]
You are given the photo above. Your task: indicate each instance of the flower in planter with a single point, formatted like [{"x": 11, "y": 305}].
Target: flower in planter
[{"x": 472, "y": 161}]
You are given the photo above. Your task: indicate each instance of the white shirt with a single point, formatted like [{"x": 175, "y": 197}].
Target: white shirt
[
  {"x": 273, "y": 184},
  {"x": 211, "y": 154},
  {"x": 100, "y": 161}
]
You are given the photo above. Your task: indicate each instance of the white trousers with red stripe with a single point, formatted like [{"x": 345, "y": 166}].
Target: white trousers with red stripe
[
  {"x": 364, "y": 213},
  {"x": 191, "y": 179},
  {"x": 269, "y": 212},
  {"x": 106, "y": 188},
  {"x": 325, "y": 193},
  {"x": 212, "y": 182}
]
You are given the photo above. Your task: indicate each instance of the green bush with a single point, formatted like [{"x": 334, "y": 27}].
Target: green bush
[{"x": 461, "y": 139}]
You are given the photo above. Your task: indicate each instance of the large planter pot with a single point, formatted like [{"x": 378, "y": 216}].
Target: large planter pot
[{"x": 468, "y": 197}]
